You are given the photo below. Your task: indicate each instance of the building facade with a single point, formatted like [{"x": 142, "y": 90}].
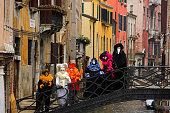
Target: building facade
[
  {"x": 131, "y": 33},
  {"x": 120, "y": 21},
  {"x": 154, "y": 32},
  {"x": 97, "y": 26},
  {"x": 6, "y": 54}
]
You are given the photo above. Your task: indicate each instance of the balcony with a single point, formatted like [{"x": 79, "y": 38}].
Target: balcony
[
  {"x": 51, "y": 19},
  {"x": 57, "y": 5},
  {"x": 154, "y": 2},
  {"x": 51, "y": 14}
]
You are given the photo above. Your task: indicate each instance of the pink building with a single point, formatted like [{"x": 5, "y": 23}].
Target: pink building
[
  {"x": 120, "y": 21},
  {"x": 147, "y": 46}
]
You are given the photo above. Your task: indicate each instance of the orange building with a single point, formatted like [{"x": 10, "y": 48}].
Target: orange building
[{"x": 120, "y": 21}]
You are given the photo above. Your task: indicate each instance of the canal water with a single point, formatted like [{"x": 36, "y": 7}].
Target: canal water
[{"x": 136, "y": 106}]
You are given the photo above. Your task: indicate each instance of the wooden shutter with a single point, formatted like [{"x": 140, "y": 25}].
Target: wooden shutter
[
  {"x": 54, "y": 53},
  {"x": 33, "y": 3},
  {"x": 61, "y": 53}
]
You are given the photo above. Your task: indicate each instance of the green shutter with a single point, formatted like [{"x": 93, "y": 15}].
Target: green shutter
[
  {"x": 82, "y": 7},
  {"x": 93, "y": 10},
  {"x": 97, "y": 11}
]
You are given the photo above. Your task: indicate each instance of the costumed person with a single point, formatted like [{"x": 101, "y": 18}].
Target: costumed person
[
  {"x": 107, "y": 61},
  {"x": 119, "y": 61},
  {"x": 92, "y": 73},
  {"x": 119, "y": 57},
  {"x": 45, "y": 85},
  {"x": 74, "y": 75},
  {"x": 62, "y": 81}
]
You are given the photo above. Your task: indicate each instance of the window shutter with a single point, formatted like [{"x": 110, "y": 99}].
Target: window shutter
[{"x": 54, "y": 53}]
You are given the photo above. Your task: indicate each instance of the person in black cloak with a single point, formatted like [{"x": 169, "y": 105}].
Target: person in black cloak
[
  {"x": 119, "y": 61},
  {"x": 92, "y": 73}
]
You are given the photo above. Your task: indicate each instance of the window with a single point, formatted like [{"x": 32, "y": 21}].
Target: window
[
  {"x": 29, "y": 51},
  {"x": 143, "y": 18},
  {"x": 114, "y": 27},
  {"x": 154, "y": 19},
  {"x": 115, "y": 15},
  {"x": 107, "y": 44},
  {"x": 124, "y": 46},
  {"x": 82, "y": 7},
  {"x": 17, "y": 46},
  {"x": 101, "y": 44},
  {"x": 97, "y": 46},
  {"x": 90, "y": 35},
  {"x": 104, "y": 15},
  {"x": 93, "y": 10},
  {"x": 111, "y": 17},
  {"x": 108, "y": 16},
  {"x": 97, "y": 11},
  {"x": 33, "y": 3},
  {"x": 120, "y": 22},
  {"x": 147, "y": 20},
  {"x": 104, "y": 43},
  {"x": 124, "y": 23},
  {"x": 110, "y": 45},
  {"x": 131, "y": 8},
  {"x": 159, "y": 21},
  {"x": 125, "y": 1}
]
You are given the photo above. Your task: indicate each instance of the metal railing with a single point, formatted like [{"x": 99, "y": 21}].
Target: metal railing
[{"x": 102, "y": 89}]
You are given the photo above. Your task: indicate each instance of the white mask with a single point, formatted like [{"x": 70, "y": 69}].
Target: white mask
[
  {"x": 118, "y": 50},
  {"x": 93, "y": 62},
  {"x": 62, "y": 70}
]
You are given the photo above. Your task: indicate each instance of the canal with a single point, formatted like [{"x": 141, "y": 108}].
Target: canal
[{"x": 136, "y": 106}]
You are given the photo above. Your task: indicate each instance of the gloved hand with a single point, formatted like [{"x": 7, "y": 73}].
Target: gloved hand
[
  {"x": 101, "y": 72},
  {"x": 42, "y": 85}
]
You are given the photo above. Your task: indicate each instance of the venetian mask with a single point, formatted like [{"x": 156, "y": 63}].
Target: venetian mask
[
  {"x": 46, "y": 73},
  {"x": 118, "y": 50},
  {"x": 93, "y": 62},
  {"x": 62, "y": 70}
]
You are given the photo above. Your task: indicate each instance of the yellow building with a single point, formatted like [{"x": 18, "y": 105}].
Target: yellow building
[
  {"x": 25, "y": 28},
  {"x": 97, "y": 26}
]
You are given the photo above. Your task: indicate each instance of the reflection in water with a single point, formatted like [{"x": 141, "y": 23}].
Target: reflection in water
[{"x": 136, "y": 106}]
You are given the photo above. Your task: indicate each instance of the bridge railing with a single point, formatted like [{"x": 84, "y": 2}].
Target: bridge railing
[
  {"x": 97, "y": 86},
  {"x": 149, "y": 77}
]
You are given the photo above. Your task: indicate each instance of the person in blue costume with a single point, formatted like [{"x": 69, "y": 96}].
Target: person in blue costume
[{"x": 92, "y": 73}]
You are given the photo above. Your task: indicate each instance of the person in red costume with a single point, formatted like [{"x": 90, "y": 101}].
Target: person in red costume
[{"x": 74, "y": 75}]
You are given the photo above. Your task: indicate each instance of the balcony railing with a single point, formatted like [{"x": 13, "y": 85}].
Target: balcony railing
[{"x": 59, "y": 5}]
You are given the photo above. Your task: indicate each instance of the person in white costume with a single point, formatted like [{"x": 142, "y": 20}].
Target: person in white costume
[{"x": 62, "y": 80}]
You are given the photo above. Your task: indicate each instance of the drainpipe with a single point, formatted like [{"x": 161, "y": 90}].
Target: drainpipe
[{"x": 33, "y": 73}]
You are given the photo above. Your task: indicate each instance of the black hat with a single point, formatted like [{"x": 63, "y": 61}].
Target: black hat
[
  {"x": 118, "y": 45},
  {"x": 103, "y": 54}
]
